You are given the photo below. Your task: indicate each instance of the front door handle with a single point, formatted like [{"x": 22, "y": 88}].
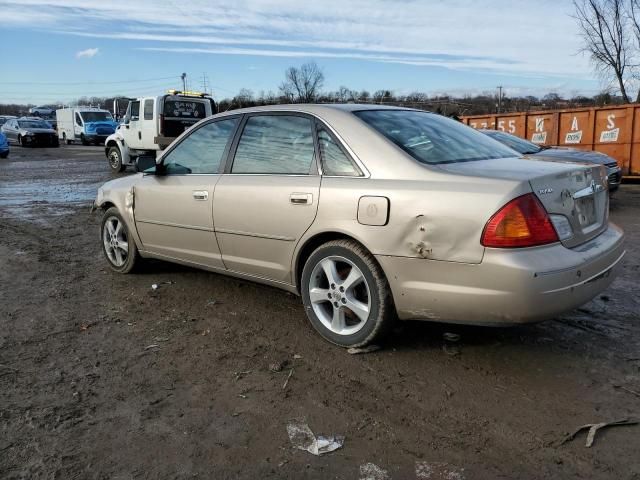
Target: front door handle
[
  {"x": 301, "y": 198},
  {"x": 139, "y": 135},
  {"x": 200, "y": 194}
]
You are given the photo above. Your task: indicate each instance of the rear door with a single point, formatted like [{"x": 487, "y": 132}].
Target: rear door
[
  {"x": 269, "y": 197},
  {"x": 173, "y": 212}
]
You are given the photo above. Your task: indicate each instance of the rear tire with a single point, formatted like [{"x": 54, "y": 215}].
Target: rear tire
[
  {"x": 115, "y": 160},
  {"x": 65, "y": 139},
  {"x": 118, "y": 246},
  {"x": 346, "y": 294}
]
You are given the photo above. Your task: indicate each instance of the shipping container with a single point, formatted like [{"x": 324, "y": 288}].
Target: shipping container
[{"x": 614, "y": 130}]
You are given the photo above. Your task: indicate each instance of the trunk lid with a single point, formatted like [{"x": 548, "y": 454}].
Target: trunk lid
[{"x": 576, "y": 191}]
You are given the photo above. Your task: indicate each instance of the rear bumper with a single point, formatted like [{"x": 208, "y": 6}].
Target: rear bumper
[{"x": 509, "y": 286}]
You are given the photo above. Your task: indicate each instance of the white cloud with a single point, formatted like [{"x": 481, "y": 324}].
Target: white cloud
[{"x": 88, "y": 53}]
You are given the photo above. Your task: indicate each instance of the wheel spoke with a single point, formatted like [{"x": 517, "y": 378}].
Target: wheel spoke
[
  {"x": 110, "y": 228},
  {"x": 118, "y": 255},
  {"x": 338, "y": 322},
  {"x": 124, "y": 246},
  {"x": 329, "y": 267},
  {"x": 360, "y": 309},
  {"x": 353, "y": 279},
  {"x": 318, "y": 295},
  {"x": 118, "y": 228}
]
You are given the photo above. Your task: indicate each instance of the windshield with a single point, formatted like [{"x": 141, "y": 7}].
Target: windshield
[
  {"x": 96, "y": 116},
  {"x": 433, "y": 139},
  {"x": 33, "y": 124},
  {"x": 518, "y": 144}
]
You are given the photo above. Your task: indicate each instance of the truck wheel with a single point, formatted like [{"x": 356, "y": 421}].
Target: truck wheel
[
  {"x": 115, "y": 160},
  {"x": 65, "y": 139},
  {"x": 83, "y": 139}
]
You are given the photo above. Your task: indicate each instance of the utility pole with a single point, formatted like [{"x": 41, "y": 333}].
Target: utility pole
[
  {"x": 499, "y": 87},
  {"x": 204, "y": 84},
  {"x": 184, "y": 82}
]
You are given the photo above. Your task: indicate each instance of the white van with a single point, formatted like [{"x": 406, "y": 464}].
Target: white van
[
  {"x": 152, "y": 123},
  {"x": 86, "y": 124}
]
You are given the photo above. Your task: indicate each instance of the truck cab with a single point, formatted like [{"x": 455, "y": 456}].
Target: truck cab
[{"x": 152, "y": 123}]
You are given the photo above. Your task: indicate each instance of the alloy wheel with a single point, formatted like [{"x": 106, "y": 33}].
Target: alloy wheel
[{"x": 115, "y": 241}]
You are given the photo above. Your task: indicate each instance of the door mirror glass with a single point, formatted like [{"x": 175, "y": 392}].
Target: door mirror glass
[{"x": 146, "y": 164}]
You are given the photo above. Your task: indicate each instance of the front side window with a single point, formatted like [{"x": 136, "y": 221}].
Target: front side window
[
  {"x": 78, "y": 120},
  {"x": 202, "y": 150},
  {"x": 275, "y": 144},
  {"x": 334, "y": 160},
  {"x": 97, "y": 116},
  {"x": 148, "y": 109},
  {"x": 135, "y": 110},
  {"x": 433, "y": 139}
]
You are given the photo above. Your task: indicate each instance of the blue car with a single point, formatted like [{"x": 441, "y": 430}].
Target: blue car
[
  {"x": 525, "y": 147},
  {"x": 4, "y": 146}
]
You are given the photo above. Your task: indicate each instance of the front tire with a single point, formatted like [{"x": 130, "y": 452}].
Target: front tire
[
  {"x": 22, "y": 141},
  {"x": 346, "y": 294},
  {"x": 83, "y": 139},
  {"x": 118, "y": 246},
  {"x": 115, "y": 160}
]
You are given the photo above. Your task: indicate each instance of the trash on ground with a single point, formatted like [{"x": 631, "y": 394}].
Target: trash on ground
[
  {"x": 369, "y": 349},
  {"x": 370, "y": 471},
  {"x": 451, "y": 337},
  {"x": 594, "y": 427},
  {"x": 303, "y": 438},
  {"x": 297, "y": 357},
  {"x": 154, "y": 286},
  {"x": 205, "y": 332},
  {"x": 286, "y": 382},
  {"x": 214, "y": 302},
  {"x": 239, "y": 375},
  {"x": 277, "y": 366},
  {"x": 438, "y": 471},
  {"x": 154, "y": 345}
]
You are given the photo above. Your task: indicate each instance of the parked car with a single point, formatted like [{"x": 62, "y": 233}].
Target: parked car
[
  {"x": 4, "y": 118},
  {"x": 370, "y": 214},
  {"x": 525, "y": 147},
  {"x": 42, "y": 111},
  {"x": 30, "y": 132},
  {"x": 4, "y": 146}
]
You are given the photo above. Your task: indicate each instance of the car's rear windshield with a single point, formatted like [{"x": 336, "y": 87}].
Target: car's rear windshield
[
  {"x": 433, "y": 139},
  {"x": 518, "y": 144},
  {"x": 184, "y": 109},
  {"x": 33, "y": 124},
  {"x": 96, "y": 116}
]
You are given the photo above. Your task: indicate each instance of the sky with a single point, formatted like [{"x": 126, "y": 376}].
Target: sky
[{"x": 55, "y": 51}]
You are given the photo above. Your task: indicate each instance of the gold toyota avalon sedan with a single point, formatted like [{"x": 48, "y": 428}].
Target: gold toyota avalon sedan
[{"x": 370, "y": 214}]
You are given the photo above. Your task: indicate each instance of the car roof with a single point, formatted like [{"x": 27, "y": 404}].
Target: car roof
[{"x": 318, "y": 108}]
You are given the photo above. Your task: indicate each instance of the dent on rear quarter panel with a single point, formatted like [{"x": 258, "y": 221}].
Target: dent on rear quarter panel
[{"x": 439, "y": 219}]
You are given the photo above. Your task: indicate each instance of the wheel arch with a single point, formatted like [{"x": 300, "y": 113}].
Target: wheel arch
[{"x": 309, "y": 246}]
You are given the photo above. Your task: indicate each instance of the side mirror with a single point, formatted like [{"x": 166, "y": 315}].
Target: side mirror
[
  {"x": 126, "y": 119},
  {"x": 146, "y": 164}
]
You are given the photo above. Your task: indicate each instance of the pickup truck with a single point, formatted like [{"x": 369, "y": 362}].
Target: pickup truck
[{"x": 152, "y": 123}]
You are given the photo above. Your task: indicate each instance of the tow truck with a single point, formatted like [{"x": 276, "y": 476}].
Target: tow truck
[{"x": 150, "y": 124}]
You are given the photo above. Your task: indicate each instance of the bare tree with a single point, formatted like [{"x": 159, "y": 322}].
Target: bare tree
[
  {"x": 634, "y": 17},
  {"x": 604, "y": 28},
  {"x": 302, "y": 84}
]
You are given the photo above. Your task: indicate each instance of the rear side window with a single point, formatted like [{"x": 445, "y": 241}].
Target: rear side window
[
  {"x": 148, "y": 109},
  {"x": 334, "y": 161},
  {"x": 201, "y": 152},
  {"x": 433, "y": 139},
  {"x": 275, "y": 144},
  {"x": 184, "y": 109}
]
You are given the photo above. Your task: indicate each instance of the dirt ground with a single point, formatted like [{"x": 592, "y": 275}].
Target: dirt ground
[{"x": 102, "y": 377}]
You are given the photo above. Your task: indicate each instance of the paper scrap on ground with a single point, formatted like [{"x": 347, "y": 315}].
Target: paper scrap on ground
[
  {"x": 438, "y": 471},
  {"x": 594, "y": 427},
  {"x": 303, "y": 438},
  {"x": 370, "y": 471}
]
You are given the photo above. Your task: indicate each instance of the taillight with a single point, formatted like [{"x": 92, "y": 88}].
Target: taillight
[{"x": 523, "y": 222}]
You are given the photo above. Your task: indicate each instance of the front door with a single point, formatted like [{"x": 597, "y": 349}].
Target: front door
[
  {"x": 269, "y": 198},
  {"x": 173, "y": 211},
  {"x": 132, "y": 134}
]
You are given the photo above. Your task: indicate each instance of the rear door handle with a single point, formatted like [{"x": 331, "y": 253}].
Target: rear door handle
[
  {"x": 200, "y": 194},
  {"x": 301, "y": 198}
]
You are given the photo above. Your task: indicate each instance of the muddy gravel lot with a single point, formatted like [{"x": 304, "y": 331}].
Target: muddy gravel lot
[{"x": 103, "y": 377}]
